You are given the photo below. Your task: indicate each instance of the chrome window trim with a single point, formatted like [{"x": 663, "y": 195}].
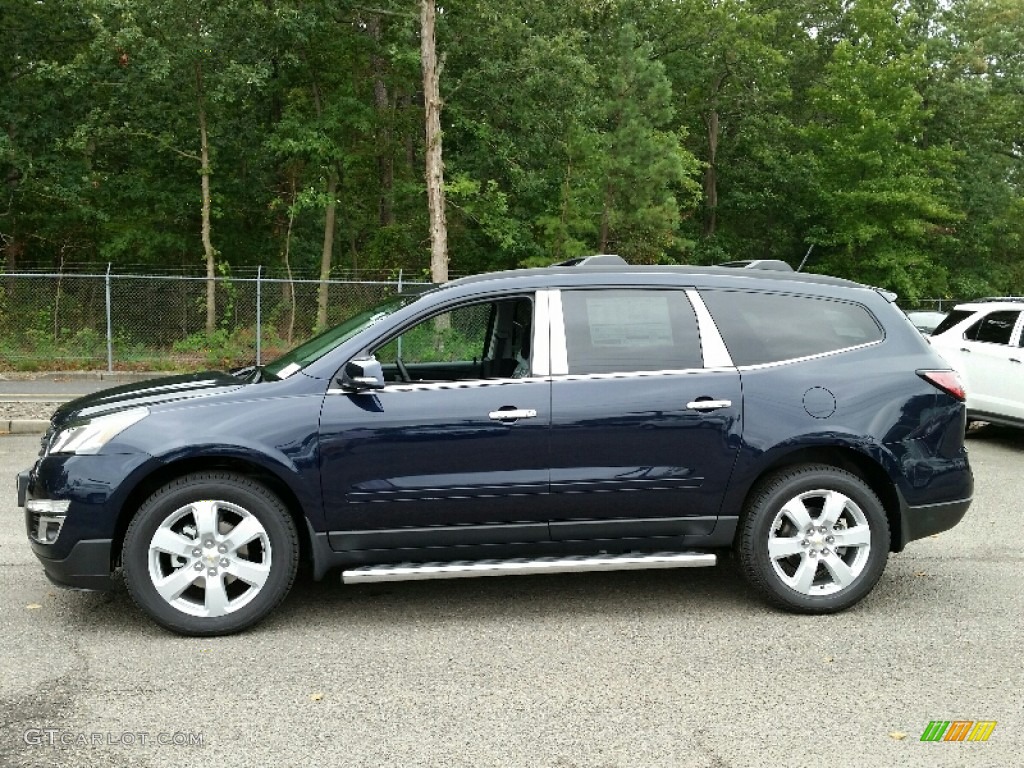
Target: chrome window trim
[
  {"x": 788, "y": 360},
  {"x": 541, "y": 358},
  {"x": 559, "y": 351},
  {"x": 440, "y": 385},
  {"x": 639, "y": 374},
  {"x": 712, "y": 346}
]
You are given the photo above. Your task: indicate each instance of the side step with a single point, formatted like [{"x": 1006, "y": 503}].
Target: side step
[{"x": 468, "y": 569}]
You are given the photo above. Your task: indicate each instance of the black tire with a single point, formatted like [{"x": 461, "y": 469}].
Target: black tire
[
  {"x": 229, "y": 580},
  {"x": 821, "y": 576}
]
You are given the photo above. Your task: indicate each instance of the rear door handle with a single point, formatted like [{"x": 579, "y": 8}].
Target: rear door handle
[
  {"x": 964, "y": 349},
  {"x": 512, "y": 414},
  {"x": 708, "y": 405}
]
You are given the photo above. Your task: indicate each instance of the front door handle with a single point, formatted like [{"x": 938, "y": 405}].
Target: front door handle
[
  {"x": 512, "y": 414},
  {"x": 708, "y": 405}
]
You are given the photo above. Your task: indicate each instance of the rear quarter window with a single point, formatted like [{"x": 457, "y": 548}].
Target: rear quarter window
[
  {"x": 770, "y": 327},
  {"x": 953, "y": 318}
]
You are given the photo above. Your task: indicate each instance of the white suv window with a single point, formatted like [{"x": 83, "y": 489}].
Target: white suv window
[{"x": 994, "y": 328}]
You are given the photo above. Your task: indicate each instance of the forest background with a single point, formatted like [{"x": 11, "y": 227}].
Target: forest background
[{"x": 882, "y": 141}]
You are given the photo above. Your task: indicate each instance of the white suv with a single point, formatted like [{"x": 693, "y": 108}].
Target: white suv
[{"x": 982, "y": 340}]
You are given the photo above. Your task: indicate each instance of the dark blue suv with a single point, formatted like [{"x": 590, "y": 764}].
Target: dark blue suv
[{"x": 573, "y": 418}]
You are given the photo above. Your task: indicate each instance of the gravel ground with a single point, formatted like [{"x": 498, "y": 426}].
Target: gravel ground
[{"x": 35, "y": 410}]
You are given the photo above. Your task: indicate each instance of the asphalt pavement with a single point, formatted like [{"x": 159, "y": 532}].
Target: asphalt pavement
[{"x": 656, "y": 668}]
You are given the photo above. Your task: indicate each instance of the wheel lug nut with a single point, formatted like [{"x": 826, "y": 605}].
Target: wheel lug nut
[
  {"x": 830, "y": 539},
  {"x": 199, "y": 566},
  {"x": 804, "y": 543},
  {"x": 825, "y": 552},
  {"x": 211, "y": 572},
  {"x": 208, "y": 543},
  {"x": 224, "y": 563},
  {"x": 814, "y": 553},
  {"x": 222, "y": 548},
  {"x": 197, "y": 552}
]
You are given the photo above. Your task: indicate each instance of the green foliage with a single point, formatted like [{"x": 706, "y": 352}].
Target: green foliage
[{"x": 886, "y": 136}]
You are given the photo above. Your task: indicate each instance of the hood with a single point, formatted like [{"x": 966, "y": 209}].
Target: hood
[{"x": 150, "y": 392}]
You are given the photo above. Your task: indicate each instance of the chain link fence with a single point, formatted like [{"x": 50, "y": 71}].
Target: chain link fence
[{"x": 149, "y": 322}]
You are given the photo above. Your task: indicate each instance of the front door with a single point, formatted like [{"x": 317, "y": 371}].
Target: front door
[{"x": 454, "y": 449}]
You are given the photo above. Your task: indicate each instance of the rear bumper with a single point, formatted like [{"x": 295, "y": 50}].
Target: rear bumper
[{"x": 928, "y": 519}]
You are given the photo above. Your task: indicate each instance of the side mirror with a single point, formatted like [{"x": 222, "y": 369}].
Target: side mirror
[{"x": 361, "y": 375}]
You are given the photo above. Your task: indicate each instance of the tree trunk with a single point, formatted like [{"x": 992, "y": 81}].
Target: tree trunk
[
  {"x": 606, "y": 213},
  {"x": 328, "y": 249},
  {"x": 712, "y": 123},
  {"x": 385, "y": 160},
  {"x": 204, "y": 159},
  {"x": 434, "y": 163},
  {"x": 711, "y": 175},
  {"x": 288, "y": 263}
]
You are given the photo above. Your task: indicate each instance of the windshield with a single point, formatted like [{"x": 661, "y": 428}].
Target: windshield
[{"x": 320, "y": 345}]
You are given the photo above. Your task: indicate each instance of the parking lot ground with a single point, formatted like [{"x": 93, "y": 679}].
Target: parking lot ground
[{"x": 655, "y": 668}]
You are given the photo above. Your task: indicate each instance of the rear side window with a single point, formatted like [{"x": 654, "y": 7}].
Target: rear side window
[
  {"x": 623, "y": 330},
  {"x": 770, "y": 327},
  {"x": 954, "y": 317},
  {"x": 993, "y": 328}
]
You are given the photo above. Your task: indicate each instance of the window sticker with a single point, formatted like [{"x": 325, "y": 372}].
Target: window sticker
[{"x": 619, "y": 321}]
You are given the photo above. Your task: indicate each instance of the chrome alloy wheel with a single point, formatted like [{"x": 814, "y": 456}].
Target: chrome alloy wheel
[
  {"x": 209, "y": 558},
  {"x": 819, "y": 542}
]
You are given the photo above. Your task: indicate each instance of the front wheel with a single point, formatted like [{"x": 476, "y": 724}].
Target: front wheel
[
  {"x": 210, "y": 554},
  {"x": 813, "y": 539}
]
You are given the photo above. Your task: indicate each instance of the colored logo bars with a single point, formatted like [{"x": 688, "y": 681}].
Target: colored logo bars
[{"x": 958, "y": 730}]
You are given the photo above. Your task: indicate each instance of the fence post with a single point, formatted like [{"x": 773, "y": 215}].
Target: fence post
[
  {"x": 399, "y": 285},
  {"x": 110, "y": 334},
  {"x": 259, "y": 327}
]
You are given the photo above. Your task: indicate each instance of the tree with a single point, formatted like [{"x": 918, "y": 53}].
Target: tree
[
  {"x": 172, "y": 77},
  {"x": 876, "y": 197},
  {"x": 434, "y": 170}
]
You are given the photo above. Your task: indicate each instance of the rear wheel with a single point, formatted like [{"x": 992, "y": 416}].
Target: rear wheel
[
  {"x": 813, "y": 539},
  {"x": 210, "y": 554}
]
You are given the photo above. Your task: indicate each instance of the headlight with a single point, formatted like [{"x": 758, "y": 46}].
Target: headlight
[{"x": 89, "y": 436}]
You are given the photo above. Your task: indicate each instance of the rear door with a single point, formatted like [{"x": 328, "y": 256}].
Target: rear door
[{"x": 645, "y": 421}]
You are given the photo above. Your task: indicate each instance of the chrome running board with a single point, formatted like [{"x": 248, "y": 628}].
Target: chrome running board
[{"x": 468, "y": 569}]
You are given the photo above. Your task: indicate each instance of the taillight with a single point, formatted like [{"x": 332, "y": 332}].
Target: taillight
[{"x": 948, "y": 381}]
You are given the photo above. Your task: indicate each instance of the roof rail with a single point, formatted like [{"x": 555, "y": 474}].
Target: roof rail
[
  {"x": 775, "y": 265},
  {"x": 596, "y": 260},
  {"x": 999, "y": 298}
]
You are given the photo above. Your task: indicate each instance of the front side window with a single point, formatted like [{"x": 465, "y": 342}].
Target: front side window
[
  {"x": 320, "y": 345},
  {"x": 771, "y": 327},
  {"x": 624, "y": 330},
  {"x": 994, "y": 328},
  {"x": 483, "y": 340}
]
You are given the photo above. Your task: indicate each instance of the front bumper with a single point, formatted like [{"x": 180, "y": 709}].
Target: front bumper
[
  {"x": 75, "y": 541},
  {"x": 86, "y": 567}
]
